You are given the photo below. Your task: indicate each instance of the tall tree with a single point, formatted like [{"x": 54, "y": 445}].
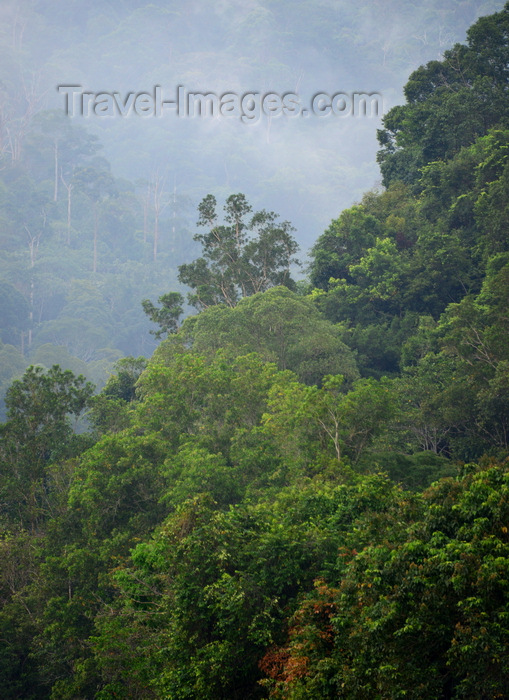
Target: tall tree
[
  {"x": 242, "y": 256},
  {"x": 98, "y": 185}
]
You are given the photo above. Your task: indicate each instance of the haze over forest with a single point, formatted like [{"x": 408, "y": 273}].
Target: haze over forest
[
  {"x": 78, "y": 285},
  {"x": 306, "y": 170},
  {"x": 225, "y": 473}
]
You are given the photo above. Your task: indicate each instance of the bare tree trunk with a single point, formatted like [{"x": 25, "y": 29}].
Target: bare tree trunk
[
  {"x": 174, "y": 215},
  {"x": 156, "y": 232},
  {"x": 33, "y": 245},
  {"x": 96, "y": 226},
  {"x": 68, "y": 187},
  {"x": 17, "y": 126},
  {"x": 146, "y": 201},
  {"x": 18, "y": 29},
  {"x": 55, "y": 188},
  {"x": 159, "y": 206}
]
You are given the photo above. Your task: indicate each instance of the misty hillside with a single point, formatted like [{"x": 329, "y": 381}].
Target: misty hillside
[
  {"x": 98, "y": 212},
  {"x": 305, "y": 171},
  {"x": 254, "y": 363}
]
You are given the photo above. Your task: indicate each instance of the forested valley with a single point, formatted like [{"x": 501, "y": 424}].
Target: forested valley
[{"x": 295, "y": 488}]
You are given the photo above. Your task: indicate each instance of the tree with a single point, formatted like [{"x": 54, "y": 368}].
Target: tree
[
  {"x": 56, "y": 146},
  {"x": 14, "y": 314},
  {"x": 449, "y": 103},
  {"x": 98, "y": 185},
  {"x": 110, "y": 409},
  {"x": 281, "y": 327},
  {"x": 38, "y": 431},
  {"x": 241, "y": 257},
  {"x": 343, "y": 244},
  {"x": 167, "y": 316},
  {"x": 475, "y": 334},
  {"x": 320, "y": 427}
]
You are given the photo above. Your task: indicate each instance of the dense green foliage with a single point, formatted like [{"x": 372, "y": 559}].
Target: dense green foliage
[
  {"x": 450, "y": 103},
  {"x": 304, "y": 493}
]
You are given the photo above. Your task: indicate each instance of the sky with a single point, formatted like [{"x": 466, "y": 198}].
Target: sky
[{"x": 307, "y": 168}]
